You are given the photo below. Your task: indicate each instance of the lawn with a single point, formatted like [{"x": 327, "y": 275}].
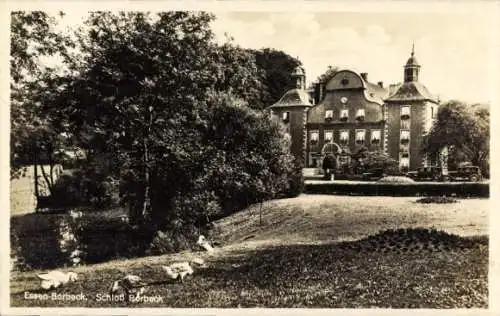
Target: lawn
[{"x": 294, "y": 258}]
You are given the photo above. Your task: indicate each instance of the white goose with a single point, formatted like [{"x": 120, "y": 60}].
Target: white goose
[
  {"x": 202, "y": 242},
  {"x": 55, "y": 279},
  {"x": 180, "y": 270},
  {"x": 130, "y": 284}
]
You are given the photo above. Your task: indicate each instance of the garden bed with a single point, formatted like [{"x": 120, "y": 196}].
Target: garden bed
[{"x": 459, "y": 189}]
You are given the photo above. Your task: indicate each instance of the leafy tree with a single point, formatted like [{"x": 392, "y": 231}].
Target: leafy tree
[
  {"x": 276, "y": 67},
  {"x": 33, "y": 142},
  {"x": 465, "y": 130},
  {"x": 161, "y": 97},
  {"x": 363, "y": 160},
  {"x": 328, "y": 74}
]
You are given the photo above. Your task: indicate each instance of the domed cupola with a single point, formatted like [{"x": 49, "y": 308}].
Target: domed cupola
[
  {"x": 297, "y": 96},
  {"x": 299, "y": 76},
  {"x": 412, "y": 67}
]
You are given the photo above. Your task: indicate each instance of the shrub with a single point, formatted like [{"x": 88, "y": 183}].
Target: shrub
[
  {"x": 437, "y": 200},
  {"x": 102, "y": 239},
  {"x": 295, "y": 180},
  {"x": 84, "y": 188},
  {"x": 173, "y": 241},
  {"x": 458, "y": 189},
  {"x": 396, "y": 179}
]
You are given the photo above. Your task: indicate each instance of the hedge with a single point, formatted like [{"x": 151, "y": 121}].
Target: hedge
[{"x": 459, "y": 189}]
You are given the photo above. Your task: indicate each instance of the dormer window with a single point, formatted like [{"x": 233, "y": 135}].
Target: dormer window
[
  {"x": 344, "y": 137},
  {"x": 314, "y": 137},
  {"x": 360, "y": 136},
  {"x": 329, "y": 115},
  {"x": 286, "y": 116},
  {"x": 375, "y": 136},
  {"x": 405, "y": 112},
  {"x": 344, "y": 114},
  {"x": 328, "y": 137},
  {"x": 360, "y": 114}
]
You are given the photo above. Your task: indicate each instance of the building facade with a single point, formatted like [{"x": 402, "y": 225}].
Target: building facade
[{"x": 350, "y": 113}]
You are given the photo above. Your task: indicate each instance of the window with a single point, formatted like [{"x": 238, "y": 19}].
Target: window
[
  {"x": 328, "y": 136},
  {"x": 405, "y": 111},
  {"x": 360, "y": 136},
  {"x": 314, "y": 137},
  {"x": 360, "y": 114},
  {"x": 286, "y": 116},
  {"x": 404, "y": 163},
  {"x": 405, "y": 124},
  {"x": 329, "y": 114},
  {"x": 344, "y": 113},
  {"x": 344, "y": 137},
  {"x": 375, "y": 136},
  {"x": 433, "y": 112}
]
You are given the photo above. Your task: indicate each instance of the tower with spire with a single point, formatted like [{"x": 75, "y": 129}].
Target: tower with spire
[
  {"x": 292, "y": 109},
  {"x": 412, "y": 67}
]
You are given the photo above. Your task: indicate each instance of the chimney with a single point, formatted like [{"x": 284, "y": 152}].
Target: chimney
[
  {"x": 364, "y": 75},
  {"x": 380, "y": 84}
]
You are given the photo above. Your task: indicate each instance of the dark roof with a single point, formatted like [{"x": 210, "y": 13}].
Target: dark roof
[
  {"x": 412, "y": 91},
  {"x": 294, "y": 97},
  {"x": 412, "y": 61}
]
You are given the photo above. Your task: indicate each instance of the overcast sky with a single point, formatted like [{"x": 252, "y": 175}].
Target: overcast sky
[{"x": 454, "y": 49}]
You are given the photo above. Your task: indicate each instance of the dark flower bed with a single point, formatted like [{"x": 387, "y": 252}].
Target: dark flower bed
[{"x": 437, "y": 199}]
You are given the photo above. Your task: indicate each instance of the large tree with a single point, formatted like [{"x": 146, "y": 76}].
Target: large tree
[
  {"x": 145, "y": 89},
  {"x": 465, "y": 130},
  {"x": 276, "y": 67},
  {"x": 33, "y": 140}
]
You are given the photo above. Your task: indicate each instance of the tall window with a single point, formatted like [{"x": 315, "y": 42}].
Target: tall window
[
  {"x": 344, "y": 137},
  {"x": 360, "y": 136},
  {"x": 405, "y": 124},
  {"x": 405, "y": 111},
  {"x": 286, "y": 116},
  {"x": 433, "y": 112},
  {"x": 344, "y": 114},
  {"x": 404, "y": 163},
  {"x": 314, "y": 137},
  {"x": 329, "y": 114},
  {"x": 328, "y": 136},
  {"x": 360, "y": 113},
  {"x": 375, "y": 136}
]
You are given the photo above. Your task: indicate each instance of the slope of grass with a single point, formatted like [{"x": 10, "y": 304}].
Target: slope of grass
[
  {"x": 319, "y": 218},
  {"x": 294, "y": 260}
]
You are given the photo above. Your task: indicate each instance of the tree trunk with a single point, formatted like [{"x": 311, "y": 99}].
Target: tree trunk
[
  {"x": 260, "y": 213},
  {"x": 146, "y": 204},
  {"x": 35, "y": 175},
  {"x": 47, "y": 180},
  {"x": 147, "y": 198}
]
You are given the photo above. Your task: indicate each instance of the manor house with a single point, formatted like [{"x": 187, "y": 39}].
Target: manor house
[{"x": 349, "y": 112}]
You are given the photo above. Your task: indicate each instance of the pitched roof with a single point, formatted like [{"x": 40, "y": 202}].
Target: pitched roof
[
  {"x": 376, "y": 91},
  {"x": 294, "y": 97},
  {"x": 412, "y": 91}
]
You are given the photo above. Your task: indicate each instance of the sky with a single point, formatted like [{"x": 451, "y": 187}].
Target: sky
[{"x": 455, "y": 49}]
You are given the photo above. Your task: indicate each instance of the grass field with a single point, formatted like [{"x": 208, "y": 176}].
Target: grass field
[{"x": 291, "y": 257}]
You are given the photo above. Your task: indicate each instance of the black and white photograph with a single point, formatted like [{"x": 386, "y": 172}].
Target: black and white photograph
[{"x": 276, "y": 156}]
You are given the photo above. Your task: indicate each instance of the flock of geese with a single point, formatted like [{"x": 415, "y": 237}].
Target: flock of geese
[{"x": 132, "y": 284}]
